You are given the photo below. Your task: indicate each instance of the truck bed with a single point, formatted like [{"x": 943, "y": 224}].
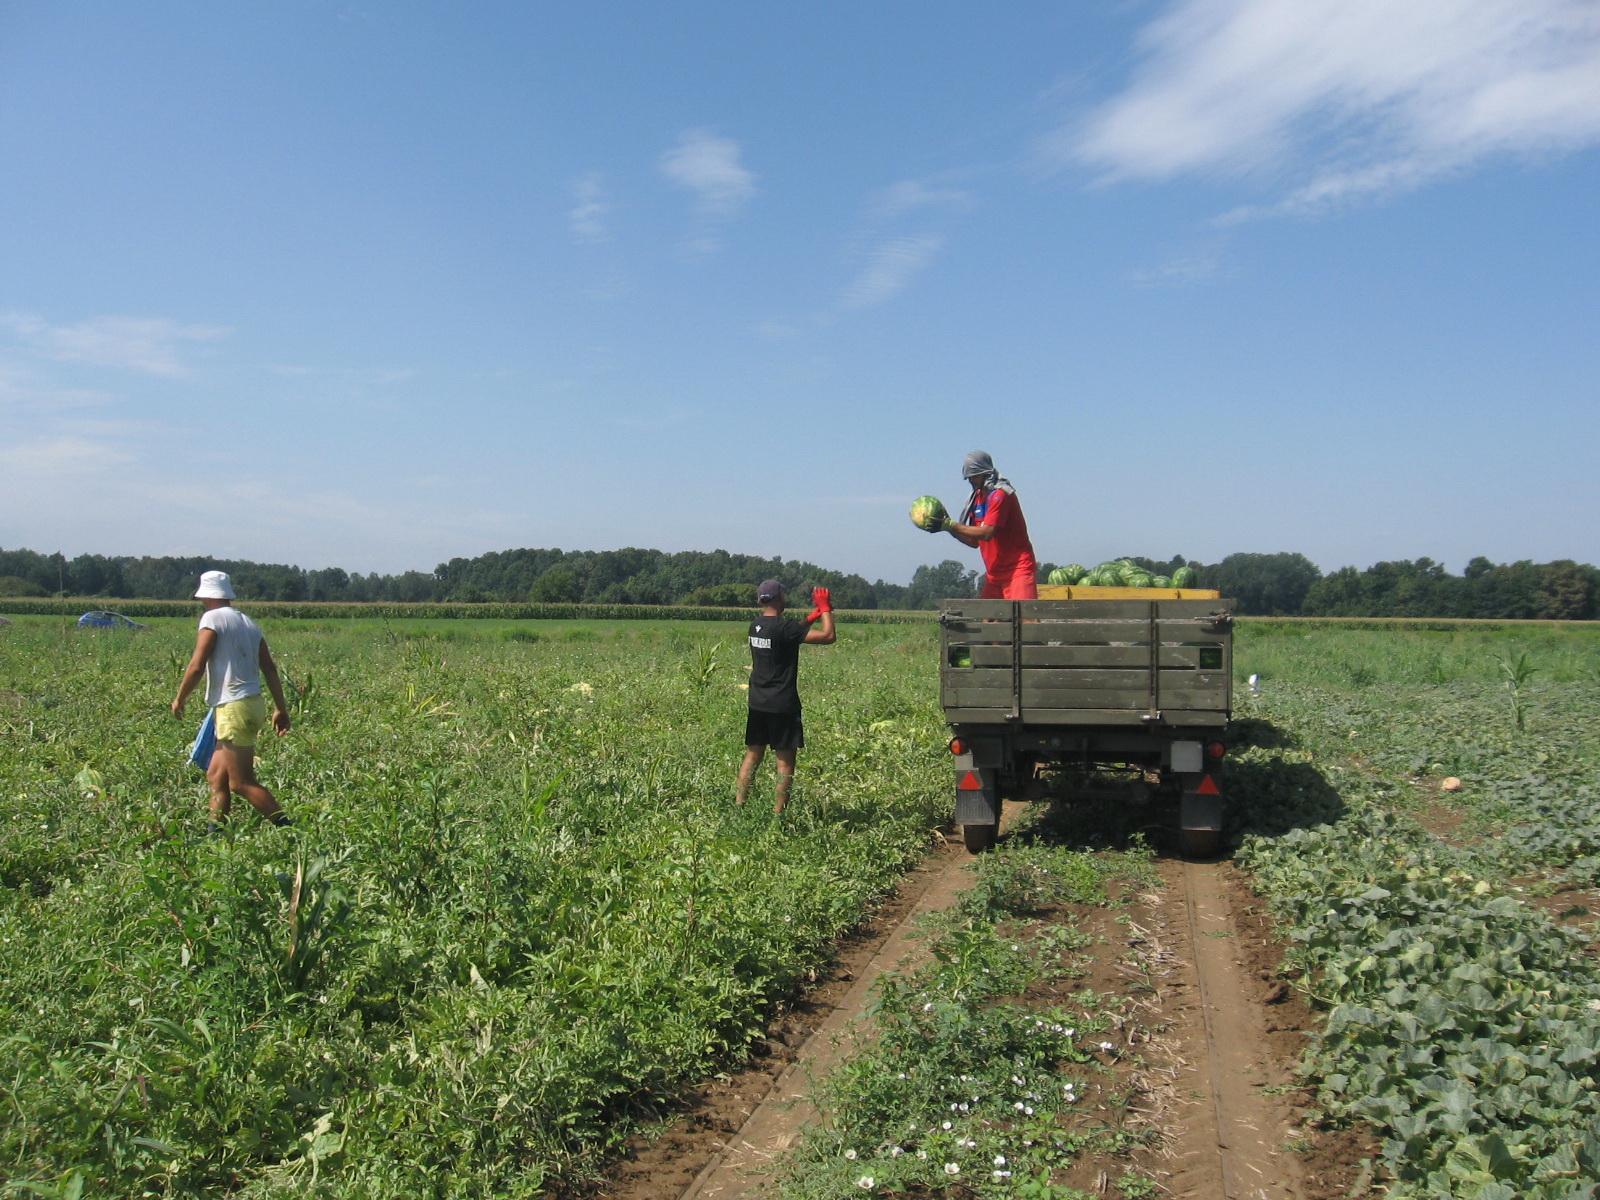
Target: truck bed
[{"x": 1087, "y": 662}]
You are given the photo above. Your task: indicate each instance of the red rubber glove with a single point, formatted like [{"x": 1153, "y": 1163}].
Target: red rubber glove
[{"x": 823, "y": 599}]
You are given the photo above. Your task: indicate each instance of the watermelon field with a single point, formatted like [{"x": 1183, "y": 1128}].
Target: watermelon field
[{"x": 518, "y": 917}]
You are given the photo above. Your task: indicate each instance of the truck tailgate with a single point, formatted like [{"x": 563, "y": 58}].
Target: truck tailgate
[{"x": 1086, "y": 662}]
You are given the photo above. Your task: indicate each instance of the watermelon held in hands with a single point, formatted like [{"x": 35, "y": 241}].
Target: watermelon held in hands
[{"x": 928, "y": 513}]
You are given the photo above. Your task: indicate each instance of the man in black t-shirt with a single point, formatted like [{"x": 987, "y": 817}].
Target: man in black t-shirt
[{"x": 774, "y": 719}]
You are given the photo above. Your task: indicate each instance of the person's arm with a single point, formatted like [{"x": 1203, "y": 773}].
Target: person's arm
[
  {"x": 994, "y": 516},
  {"x": 204, "y": 643},
  {"x": 823, "y": 612},
  {"x": 269, "y": 672},
  {"x": 969, "y": 535},
  {"x": 823, "y": 634}
]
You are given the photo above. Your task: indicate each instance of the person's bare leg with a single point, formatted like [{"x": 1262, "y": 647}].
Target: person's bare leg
[
  {"x": 785, "y": 778},
  {"x": 747, "y": 772},
  {"x": 221, "y": 795},
  {"x": 239, "y": 767}
]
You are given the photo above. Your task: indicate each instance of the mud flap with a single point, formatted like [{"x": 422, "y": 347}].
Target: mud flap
[
  {"x": 977, "y": 793},
  {"x": 1202, "y": 804}
]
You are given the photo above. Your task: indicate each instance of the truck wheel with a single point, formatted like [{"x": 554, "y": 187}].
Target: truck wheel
[
  {"x": 1199, "y": 843},
  {"x": 978, "y": 837}
]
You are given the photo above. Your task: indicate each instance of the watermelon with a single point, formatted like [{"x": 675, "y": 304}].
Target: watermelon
[
  {"x": 928, "y": 512},
  {"x": 1138, "y": 579},
  {"x": 1160, "y": 581},
  {"x": 1183, "y": 577},
  {"x": 1060, "y": 575},
  {"x": 1075, "y": 572}
]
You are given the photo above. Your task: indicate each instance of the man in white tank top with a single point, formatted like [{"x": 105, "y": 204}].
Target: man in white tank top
[{"x": 230, "y": 651}]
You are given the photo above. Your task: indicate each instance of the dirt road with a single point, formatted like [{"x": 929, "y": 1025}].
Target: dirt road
[{"x": 1223, "y": 1034}]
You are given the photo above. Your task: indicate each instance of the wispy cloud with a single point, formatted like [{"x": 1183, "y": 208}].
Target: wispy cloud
[
  {"x": 910, "y": 195},
  {"x": 360, "y": 376},
  {"x": 587, "y": 216},
  {"x": 60, "y": 456},
  {"x": 709, "y": 167},
  {"x": 889, "y": 268},
  {"x": 1339, "y": 100},
  {"x": 143, "y": 345},
  {"x": 1181, "y": 270}
]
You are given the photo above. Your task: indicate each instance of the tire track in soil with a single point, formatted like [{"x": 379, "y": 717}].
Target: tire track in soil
[
  {"x": 726, "y": 1135},
  {"x": 1227, "y": 1135},
  {"x": 1230, "y": 1032}
]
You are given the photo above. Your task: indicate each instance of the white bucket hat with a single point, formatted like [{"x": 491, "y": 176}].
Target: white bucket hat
[{"x": 215, "y": 585}]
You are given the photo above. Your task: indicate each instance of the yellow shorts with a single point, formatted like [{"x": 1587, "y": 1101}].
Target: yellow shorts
[{"x": 239, "y": 721}]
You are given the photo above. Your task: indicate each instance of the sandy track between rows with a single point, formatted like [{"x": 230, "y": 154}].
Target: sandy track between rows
[{"x": 1226, "y": 1032}]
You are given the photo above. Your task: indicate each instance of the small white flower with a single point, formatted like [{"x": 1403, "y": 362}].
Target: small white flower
[
  {"x": 1107, "y": 1046},
  {"x": 952, "y": 1169},
  {"x": 1016, "y": 947},
  {"x": 1018, "y": 1106},
  {"x": 999, "y": 1160},
  {"x": 865, "y": 1183},
  {"x": 928, "y": 1007},
  {"x": 895, "y": 1151},
  {"x": 922, "y": 1154},
  {"x": 1028, "y": 1111},
  {"x": 963, "y": 1107},
  {"x": 946, "y": 1125},
  {"x": 1002, "y": 1174},
  {"x": 1070, "y": 1032},
  {"x": 850, "y": 1154},
  {"x": 902, "y": 1075}
]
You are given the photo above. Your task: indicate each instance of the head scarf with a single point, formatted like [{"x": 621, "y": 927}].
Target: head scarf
[{"x": 979, "y": 470}]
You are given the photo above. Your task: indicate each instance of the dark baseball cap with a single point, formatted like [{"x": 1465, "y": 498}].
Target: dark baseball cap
[{"x": 768, "y": 591}]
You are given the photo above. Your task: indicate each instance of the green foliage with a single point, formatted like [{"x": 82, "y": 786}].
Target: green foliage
[
  {"x": 967, "y": 1088},
  {"x": 517, "y": 905},
  {"x": 1462, "y": 1024}
]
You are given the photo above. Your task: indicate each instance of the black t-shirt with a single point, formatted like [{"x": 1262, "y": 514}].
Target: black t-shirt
[{"x": 775, "y": 664}]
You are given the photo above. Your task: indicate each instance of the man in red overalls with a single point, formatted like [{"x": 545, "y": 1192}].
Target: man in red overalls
[{"x": 993, "y": 523}]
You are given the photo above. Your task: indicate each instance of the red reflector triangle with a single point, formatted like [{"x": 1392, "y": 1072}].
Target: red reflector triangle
[
  {"x": 970, "y": 783},
  {"x": 1208, "y": 787}
]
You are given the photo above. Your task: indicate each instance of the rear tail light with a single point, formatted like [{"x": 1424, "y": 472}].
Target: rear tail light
[
  {"x": 1216, "y": 750},
  {"x": 957, "y": 746}
]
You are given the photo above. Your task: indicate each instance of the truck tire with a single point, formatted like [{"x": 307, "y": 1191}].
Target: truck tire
[{"x": 978, "y": 837}]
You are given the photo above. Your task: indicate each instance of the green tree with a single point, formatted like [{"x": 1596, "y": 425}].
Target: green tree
[{"x": 947, "y": 581}]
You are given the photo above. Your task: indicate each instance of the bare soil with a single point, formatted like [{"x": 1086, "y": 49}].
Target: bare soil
[{"x": 1213, "y": 1046}]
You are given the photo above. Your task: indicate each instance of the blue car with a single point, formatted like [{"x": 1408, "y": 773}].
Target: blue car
[{"x": 102, "y": 619}]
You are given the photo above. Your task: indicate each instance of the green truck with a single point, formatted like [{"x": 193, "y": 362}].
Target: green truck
[{"x": 1088, "y": 677}]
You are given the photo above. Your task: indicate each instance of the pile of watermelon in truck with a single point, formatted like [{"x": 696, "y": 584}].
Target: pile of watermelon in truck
[{"x": 1089, "y": 677}]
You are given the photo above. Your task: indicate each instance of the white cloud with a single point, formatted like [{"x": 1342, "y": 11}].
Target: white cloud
[
  {"x": 1345, "y": 99},
  {"x": 889, "y": 268},
  {"x": 56, "y": 458},
  {"x": 709, "y": 167},
  {"x": 587, "y": 216},
  {"x": 1182, "y": 269},
  {"x": 909, "y": 195},
  {"x": 144, "y": 345}
]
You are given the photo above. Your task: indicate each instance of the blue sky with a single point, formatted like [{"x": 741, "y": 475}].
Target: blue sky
[{"x": 377, "y": 286}]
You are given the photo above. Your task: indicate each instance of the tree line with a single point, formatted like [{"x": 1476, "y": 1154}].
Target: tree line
[{"x": 1281, "y": 584}]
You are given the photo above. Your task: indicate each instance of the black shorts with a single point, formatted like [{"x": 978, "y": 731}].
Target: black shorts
[{"x": 781, "y": 731}]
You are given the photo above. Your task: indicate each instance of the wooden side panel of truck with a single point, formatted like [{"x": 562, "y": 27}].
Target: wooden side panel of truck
[{"x": 1145, "y": 682}]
